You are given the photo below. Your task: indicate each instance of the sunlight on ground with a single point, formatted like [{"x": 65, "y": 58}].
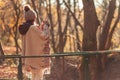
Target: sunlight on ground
[{"x": 9, "y": 50}]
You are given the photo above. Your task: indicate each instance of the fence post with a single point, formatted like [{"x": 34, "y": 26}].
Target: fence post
[
  {"x": 20, "y": 74},
  {"x": 86, "y": 67},
  {"x": 63, "y": 67}
]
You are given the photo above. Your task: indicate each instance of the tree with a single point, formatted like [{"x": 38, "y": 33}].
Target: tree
[
  {"x": 1, "y": 54},
  {"x": 66, "y": 19},
  {"x": 89, "y": 38},
  {"x": 91, "y": 25},
  {"x": 16, "y": 7},
  {"x": 2, "y": 3},
  {"x": 9, "y": 21}
]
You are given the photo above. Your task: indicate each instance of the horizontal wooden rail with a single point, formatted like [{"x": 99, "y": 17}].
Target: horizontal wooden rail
[
  {"x": 83, "y": 53},
  {"x": 63, "y": 54}
]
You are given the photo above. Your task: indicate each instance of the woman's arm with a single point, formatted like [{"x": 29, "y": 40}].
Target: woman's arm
[{"x": 38, "y": 31}]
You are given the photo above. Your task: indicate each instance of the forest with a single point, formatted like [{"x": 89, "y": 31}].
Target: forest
[{"x": 75, "y": 25}]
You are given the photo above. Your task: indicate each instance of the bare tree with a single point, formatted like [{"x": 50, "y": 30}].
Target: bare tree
[
  {"x": 1, "y": 54},
  {"x": 16, "y": 7},
  {"x": 91, "y": 24}
]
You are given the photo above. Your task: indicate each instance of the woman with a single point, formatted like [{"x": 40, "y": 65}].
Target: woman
[{"x": 35, "y": 42}]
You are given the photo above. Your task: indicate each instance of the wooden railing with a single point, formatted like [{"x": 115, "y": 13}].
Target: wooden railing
[{"x": 82, "y": 53}]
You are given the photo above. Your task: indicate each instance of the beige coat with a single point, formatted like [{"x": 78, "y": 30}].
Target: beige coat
[{"x": 35, "y": 42}]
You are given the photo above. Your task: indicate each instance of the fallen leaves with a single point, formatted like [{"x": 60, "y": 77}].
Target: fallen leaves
[{"x": 8, "y": 72}]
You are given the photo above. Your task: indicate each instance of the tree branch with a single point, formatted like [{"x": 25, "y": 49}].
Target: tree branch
[{"x": 73, "y": 15}]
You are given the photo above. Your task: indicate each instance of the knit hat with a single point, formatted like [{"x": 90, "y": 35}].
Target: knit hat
[{"x": 29, "y": 13}]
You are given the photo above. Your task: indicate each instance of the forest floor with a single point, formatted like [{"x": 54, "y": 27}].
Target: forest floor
[
  {"x": 8, "y": 70},
  {"x": 112, "y": 71}
]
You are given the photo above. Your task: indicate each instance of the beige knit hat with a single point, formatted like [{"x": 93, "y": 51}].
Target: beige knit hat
[{"x": 29, "y": 13}]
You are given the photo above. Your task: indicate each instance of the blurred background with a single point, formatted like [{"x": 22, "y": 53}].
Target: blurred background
[
  {"x": 75, "y": 25},
  {"x": 66, "y": 18}
]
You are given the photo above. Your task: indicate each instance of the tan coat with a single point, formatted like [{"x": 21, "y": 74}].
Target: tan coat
[{"x": 34, "y": 43}]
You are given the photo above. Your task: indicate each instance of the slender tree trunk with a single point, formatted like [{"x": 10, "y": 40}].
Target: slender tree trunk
[
  {"x": 105, "y": 37},
  {"x": 34, "y": 7},
  {"x": 1, "y": 53},
  {"x": 15, "y": 27},
  {"x": 76, "y": 30}
]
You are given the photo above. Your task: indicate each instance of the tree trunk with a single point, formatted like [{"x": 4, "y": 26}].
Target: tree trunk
[
  {"x": 1, "y": 53},
  {"x": 91, "y": 24},
  {"x": 15, "y": 26},
  {"x": 106, "y": 36}
]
